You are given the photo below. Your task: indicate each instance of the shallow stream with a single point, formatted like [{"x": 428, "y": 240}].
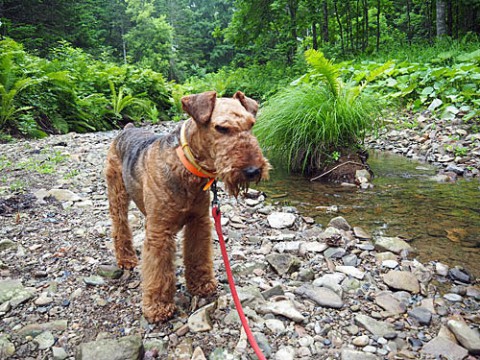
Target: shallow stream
[{"x": 442, "y": 220}]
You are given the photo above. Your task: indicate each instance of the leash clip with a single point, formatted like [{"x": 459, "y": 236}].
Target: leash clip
[{"x": 215, "y": 201}]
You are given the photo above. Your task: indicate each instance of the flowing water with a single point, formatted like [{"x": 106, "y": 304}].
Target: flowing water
[{"x": 442, "y": 220}]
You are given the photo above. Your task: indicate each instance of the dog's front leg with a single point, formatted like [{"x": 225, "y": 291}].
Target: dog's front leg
[
  {"x": 158, "y": 270},
  {"x": 197, "y": 254}
]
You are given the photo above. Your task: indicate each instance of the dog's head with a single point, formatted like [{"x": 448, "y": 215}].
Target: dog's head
[{"x": 223, "y": 139}]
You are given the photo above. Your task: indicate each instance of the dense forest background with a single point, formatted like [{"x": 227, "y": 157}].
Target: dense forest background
[
  {"x": 102, "y": 62},
  {"x": 180, "y": 38}
]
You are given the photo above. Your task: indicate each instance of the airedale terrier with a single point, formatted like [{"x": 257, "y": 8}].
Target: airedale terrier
[{"x": 167, "y": 176}]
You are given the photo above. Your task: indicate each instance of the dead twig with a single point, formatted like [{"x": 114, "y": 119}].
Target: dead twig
[{"x": 336, "y": 167}]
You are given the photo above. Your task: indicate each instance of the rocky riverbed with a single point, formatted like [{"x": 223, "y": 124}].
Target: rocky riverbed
[{"x": 310, "y": 291}]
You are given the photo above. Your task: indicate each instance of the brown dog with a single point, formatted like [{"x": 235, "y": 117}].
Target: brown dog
[{"x": 165, "y": 176}]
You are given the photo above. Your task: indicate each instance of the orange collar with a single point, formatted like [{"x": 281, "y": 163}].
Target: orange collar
[{"x": 186, "y": 157}]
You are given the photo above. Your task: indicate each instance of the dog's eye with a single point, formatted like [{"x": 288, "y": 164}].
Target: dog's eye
[{"x": 222, "y": 129}]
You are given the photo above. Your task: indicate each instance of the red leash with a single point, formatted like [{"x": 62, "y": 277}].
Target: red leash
[{"x": 231, "y": 282}]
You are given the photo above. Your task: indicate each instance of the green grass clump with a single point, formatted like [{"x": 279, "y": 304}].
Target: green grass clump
[{"x": 318, "y": 116}]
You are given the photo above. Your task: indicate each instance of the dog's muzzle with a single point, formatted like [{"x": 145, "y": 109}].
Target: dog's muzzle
[{"x": 252, "y": 173}]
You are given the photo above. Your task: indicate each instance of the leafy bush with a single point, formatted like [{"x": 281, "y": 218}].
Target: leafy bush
[
  {"x": 450, "y": 89},
  {"x": 74, "y": 92},
  {"x": 308, "y": 122}
]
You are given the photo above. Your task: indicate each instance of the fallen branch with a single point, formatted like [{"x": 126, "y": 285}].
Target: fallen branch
[{"x": 336, "y": 167}]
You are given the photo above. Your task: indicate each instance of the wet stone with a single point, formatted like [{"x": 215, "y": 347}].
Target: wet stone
[
  {"x": 460, "y": 275},
  {"x": 392, "y": 244}
]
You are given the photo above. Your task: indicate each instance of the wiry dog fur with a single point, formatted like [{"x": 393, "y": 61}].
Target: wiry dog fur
[{"x": 145, "y": 168}]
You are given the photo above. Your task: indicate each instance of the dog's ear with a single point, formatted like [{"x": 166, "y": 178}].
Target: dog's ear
[
  {"x": 249, "y": 104},
  {"x": 200, "y": 106}
]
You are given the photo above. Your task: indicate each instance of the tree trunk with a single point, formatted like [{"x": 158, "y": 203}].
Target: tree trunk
[
  {"x": 441, "y": 24},
  {"x": 449, "y": 18},
  {"x": 292, "y": 12},
  {"x": 357, "y": 27},
  {"x": 349, "y": 26},
  {"x": 365, "y": 15},
  {"x": 314, "y": 35},
  {"x": 337, "y": 15},
  {"x": 379, "y": 4},
  {"x": 325, "y": 22},
  {"x": 409, "y": 31}
]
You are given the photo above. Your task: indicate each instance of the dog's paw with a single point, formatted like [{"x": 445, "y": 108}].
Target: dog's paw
[
  {"x": 158, "y": 312},
  {"x": 204, "y": 289},
  {"x": 127, "y": 263}
]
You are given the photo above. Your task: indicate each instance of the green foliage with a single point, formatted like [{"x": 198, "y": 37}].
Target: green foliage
[
  {"x": 449, "y": 89},
  {"x": 74, "y": 92},
  {"x": 308, "y": 122}
]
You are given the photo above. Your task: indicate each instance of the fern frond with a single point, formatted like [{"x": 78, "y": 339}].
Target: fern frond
[{"x": 326, "y": 69}]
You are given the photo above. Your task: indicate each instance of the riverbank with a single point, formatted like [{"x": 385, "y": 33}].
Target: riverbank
[
  {"x": 451, "y": 145},
  {"x": 310, "y": 292}
]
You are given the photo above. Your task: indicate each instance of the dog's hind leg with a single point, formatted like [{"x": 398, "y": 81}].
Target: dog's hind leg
[{"x": 119, "y": 201}]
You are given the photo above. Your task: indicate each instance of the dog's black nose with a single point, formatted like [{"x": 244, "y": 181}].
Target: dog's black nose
[{"x": 251, "y": 172}]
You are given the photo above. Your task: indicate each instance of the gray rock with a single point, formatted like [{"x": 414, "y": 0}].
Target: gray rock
[
  {"x": 184, "y": 350},
  {"x": 283, "y": 307},
  {"x": 340, "y": 223},
  {"x": 36, "y": 329},
  {"x": 392, "y": 244},
  {"x": 443, "y": 347},
  {"x": 379, "y": 328},
  {"x": 349, "y": 354},
  {"x": 281, "y": 220},
  {"x": 334, "y": 253},
  {"x": 7, "y": 348},
  {"x": 200, "y": 320},
  {"x": 321, "y": 295},
  {"x": 44, "y": 340},
  {"x": 361, "y": 340},
  {"x": 455, "y": 168},
  {"x": 94, "y": 280},
  {"x": 441, "y": 269},
  {"x": 285, "y": 353},
  {"x": 387, "y": 301},
  {"x": 125, "y": 348},
  {"x": 351, "y": 271},
  {"x": 422, "y": 315},
  {"x": 64, "y": 195},
  {"x": 7, "y": 244},
  {"x": 59, "y": 353},
  {"x": 14, "y": 292},
  {"x": 466, "y": 336},
  {"x": 283, "y": 263},
  {"x": 110, "y": 271},
  {"x": 275, "y": 325},
  {"x": 460, "y": 275},
  {"x": 402, "y": 280},
  {"x": 350, "y": 260},
  {"x": 361, "y": 234},
  {"x": 453, "y": 297}
]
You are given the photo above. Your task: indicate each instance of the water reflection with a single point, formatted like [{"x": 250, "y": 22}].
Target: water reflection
[{"x": 442, "y": 219}]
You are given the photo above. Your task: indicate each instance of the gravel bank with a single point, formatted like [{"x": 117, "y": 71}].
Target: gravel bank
[{"x": 309, "y": 291}]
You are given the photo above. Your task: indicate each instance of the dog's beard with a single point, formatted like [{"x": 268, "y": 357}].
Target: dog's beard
[
  {"x": 235, "y": 181},
  {"x": 244, "y": 149}
]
